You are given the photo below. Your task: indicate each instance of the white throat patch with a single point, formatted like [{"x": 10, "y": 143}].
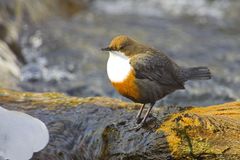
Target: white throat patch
[{"x": 118, "y": 66}]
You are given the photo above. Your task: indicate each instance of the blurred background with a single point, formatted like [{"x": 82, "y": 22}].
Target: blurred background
[{"x": 54, "y": 45}]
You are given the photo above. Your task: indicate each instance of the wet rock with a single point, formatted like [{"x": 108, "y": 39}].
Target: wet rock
[
  {"x": 101, "y": 128},
  {"x": 9, "y": 34},
  {"x": 11, "y": 57},
  {"x": 37, "y": 11},
  {"x": 10, "y": 67}
]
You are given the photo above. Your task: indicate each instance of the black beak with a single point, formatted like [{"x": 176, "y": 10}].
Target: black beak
[{"x": 106, "y": 49}]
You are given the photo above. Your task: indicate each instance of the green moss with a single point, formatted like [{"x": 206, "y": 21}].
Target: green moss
[{"x": 52, "y": 100}]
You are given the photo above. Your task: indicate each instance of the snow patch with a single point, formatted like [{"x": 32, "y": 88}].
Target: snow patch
[{"x": 21, "y": 135}]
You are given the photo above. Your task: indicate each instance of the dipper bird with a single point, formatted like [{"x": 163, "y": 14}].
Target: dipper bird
[{"x": 144, "y": 74}]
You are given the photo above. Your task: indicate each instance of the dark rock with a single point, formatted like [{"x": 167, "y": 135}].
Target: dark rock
[
  {"x": 102, "y": 128},
  {"x": 80, "y": 129},
  {"x": 9, "y": 34},
  {"x": 10, "y": 67}
]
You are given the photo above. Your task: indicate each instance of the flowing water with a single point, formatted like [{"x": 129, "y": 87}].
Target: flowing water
[{"x": 64, "y": 55}]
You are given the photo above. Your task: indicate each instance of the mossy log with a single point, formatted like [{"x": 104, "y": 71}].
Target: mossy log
[{"x": 100, "y": 128}]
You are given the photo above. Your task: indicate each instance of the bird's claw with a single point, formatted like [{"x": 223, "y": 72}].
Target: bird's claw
[
  {"x": 137, "y": 127},
  {"x": 138, "y": 120}
]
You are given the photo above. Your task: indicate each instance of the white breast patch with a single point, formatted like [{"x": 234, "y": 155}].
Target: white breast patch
[{"x": 118, "y": 66}]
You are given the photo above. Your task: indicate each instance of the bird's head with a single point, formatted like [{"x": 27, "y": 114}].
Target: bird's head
[{"x": 125, "y": 45}]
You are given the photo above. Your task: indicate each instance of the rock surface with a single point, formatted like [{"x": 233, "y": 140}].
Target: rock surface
[
  {"x": 100, "y": 128},
  {"x": 210, "y": 133},
  {"x": 10, "y": 67}
]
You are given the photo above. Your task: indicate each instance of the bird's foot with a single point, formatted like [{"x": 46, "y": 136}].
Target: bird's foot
[
  {"x": 139, "y": 126},
  {"x": 138, "y": 120},
  {"x": 136, "y": 127}
]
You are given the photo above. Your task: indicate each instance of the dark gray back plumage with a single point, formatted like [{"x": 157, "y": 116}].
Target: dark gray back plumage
[
  {"x": 157, "y": 75},
  {"x": 156, "y": 66}
]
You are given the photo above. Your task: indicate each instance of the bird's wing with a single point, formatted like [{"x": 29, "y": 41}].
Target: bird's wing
[{"x": 155, "y": 67}]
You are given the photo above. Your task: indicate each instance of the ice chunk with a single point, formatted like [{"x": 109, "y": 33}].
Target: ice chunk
[{"x": 20, "y": 135}]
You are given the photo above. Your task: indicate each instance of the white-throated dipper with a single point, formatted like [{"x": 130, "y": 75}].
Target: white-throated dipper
[{"x": 144, "y": 74}]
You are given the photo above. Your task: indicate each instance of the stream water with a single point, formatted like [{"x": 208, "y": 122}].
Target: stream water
[{"x": 64, "y": 55}]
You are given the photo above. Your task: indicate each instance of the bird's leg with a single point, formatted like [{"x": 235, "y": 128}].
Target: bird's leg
[
  {"x": 145, "y": 117},
  {"x": 138, "y": 118},
  {"x": 148, "y": 111}
]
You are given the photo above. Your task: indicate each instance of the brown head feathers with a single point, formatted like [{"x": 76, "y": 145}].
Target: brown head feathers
[{"x": 126, "y": 45}]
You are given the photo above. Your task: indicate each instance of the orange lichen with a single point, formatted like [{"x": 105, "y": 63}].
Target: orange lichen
[{"x": 200, "y": 131}]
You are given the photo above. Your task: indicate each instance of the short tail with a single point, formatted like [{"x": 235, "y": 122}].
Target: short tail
[{"x": 197, "y": 73}]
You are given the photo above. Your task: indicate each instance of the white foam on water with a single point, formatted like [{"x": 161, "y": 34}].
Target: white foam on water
[{"x": 159, "y": 8}]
